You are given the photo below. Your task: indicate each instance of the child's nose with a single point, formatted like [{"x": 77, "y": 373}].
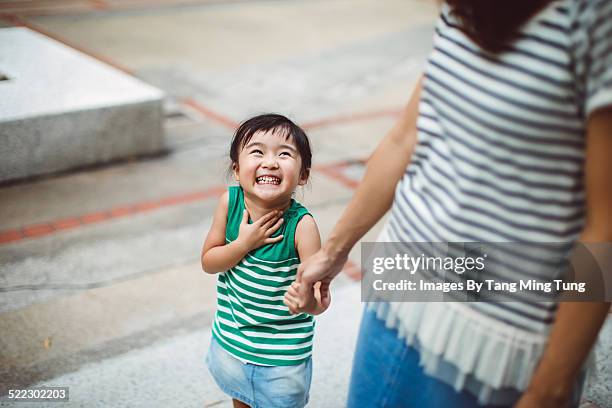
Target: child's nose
[{"x": 270, "y": 162}]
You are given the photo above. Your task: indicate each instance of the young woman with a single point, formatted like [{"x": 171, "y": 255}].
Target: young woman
[{"x": 506, "y": 138}]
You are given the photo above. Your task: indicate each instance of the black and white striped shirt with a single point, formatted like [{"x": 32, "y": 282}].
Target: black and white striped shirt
[{"x": 501, "y": 140}]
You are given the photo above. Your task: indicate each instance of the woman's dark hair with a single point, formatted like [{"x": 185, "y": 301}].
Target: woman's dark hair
[
  {"x": 278, "y": 124},
  {"x": 494, "y": 24}
]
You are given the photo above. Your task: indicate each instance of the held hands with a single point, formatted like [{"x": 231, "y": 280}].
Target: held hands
[
  {"x": 251, "y": 236},
  {"x": 321, "y": 267},
  {"x": 317, "y": 301}
]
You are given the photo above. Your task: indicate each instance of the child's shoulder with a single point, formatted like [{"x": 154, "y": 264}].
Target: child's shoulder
[
  {"x": 233, "y": 192},
  {"x": 306, "y": 223},
  {"x": 303, "y": 218},
  {"x": 223, "y": 201},
  {"x": 233, "y": 197},
  {"x": 307, "y": 239},
  {"x": 296, "y": 209}
]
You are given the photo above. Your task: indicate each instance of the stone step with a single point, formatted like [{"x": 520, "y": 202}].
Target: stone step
[{"x": 61, "y": 109}]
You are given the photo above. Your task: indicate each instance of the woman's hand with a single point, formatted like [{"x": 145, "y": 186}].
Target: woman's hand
[
  {"x": 384, "y": 170},
  {"x": 322, "y": 267},
  {"x": 251, "y": 236},
  {"x": 532, "y": 399},
  {"x": 323, "y": 295}
]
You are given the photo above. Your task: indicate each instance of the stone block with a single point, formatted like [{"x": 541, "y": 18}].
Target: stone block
[{"x": 61, "y": 109}]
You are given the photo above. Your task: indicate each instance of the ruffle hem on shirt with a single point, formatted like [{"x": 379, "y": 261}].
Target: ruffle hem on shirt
[{"x": 466, "y": 349}]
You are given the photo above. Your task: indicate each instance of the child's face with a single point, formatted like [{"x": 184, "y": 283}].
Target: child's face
[{"x": 269, "y": 167}]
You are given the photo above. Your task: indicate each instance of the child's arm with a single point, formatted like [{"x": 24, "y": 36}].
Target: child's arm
[
  {"x": 308, "y": 242},
  {"x": 217, "y": 256}
]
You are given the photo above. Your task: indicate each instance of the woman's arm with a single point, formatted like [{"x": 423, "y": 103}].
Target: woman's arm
[
  {"x": 371, "y": 201},
  {"x": 217, "y": 256},
  {"x": 577, "y": 324},
  {"x": 384, "y": 170}
]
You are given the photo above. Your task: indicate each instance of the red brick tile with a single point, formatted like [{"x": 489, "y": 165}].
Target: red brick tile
[
  {"x": 198, "y": 195},
  {"x": 120, "y": 212},
  {"x": 10, "y": 236},
  {"x": 146, "y": 206},
  {"x": 209, "y": 114},
  {"x": 171, "y": 201},
  {"x": 37, "y": 230},
  {"x": 67, "y": 223},
  {"x": 339, "y": 177},
  {"x": 95, "y": 217}
]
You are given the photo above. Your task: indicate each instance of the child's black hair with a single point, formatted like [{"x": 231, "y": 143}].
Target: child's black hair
[{"x": 278, "y": 124}]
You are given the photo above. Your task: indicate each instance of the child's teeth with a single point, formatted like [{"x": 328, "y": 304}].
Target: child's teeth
[{"x": 268, "y": 180}]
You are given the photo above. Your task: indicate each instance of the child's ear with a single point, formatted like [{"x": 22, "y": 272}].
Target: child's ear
[
  {"x": 304, "y": 177},
  {"x": 235, "y": 171}
]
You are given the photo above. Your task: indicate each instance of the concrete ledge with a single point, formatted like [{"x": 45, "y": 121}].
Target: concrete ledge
[{"x": 61, "y": 109}]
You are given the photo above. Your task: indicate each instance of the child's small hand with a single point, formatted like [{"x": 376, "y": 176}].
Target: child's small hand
[
  {"x": 317, "y": 302},
  {"x": 254, "y": 235},
  {"x": 292, "y": 300}
]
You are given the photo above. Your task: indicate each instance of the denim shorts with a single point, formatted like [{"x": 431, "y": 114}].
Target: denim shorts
[{"x": 260, "y": 386}]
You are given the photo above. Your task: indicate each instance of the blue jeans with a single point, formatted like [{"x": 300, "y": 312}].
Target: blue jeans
[{"x": 386, "y": 373}]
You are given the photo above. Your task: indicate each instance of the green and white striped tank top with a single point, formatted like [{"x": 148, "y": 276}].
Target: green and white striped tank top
[{"x": 251, "y": 321}]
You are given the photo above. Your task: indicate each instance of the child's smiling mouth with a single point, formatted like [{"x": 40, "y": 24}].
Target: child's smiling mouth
[{"x": 268, "y": 179}]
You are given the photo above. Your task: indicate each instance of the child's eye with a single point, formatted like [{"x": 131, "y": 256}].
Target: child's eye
[
  {"x": 256, "y": 151},
  {"x": 285, "y": 153}
]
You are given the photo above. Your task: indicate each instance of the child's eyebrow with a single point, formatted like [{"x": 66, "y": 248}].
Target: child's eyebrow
[
  {"x": 254, "y": 144},
  {"x": 259, "y": 144},
  {"x": 286, "y": 146}
]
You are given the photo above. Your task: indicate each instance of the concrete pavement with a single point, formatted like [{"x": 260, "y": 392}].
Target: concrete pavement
[
  {"x": 171, "y": 372},
  {"x": 99, "y": 268}
]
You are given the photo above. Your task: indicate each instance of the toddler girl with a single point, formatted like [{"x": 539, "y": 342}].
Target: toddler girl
[{"x": 260, "y": 352}]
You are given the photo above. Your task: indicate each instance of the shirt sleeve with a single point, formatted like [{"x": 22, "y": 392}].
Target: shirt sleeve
[{"x": 591, "y": 36}]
